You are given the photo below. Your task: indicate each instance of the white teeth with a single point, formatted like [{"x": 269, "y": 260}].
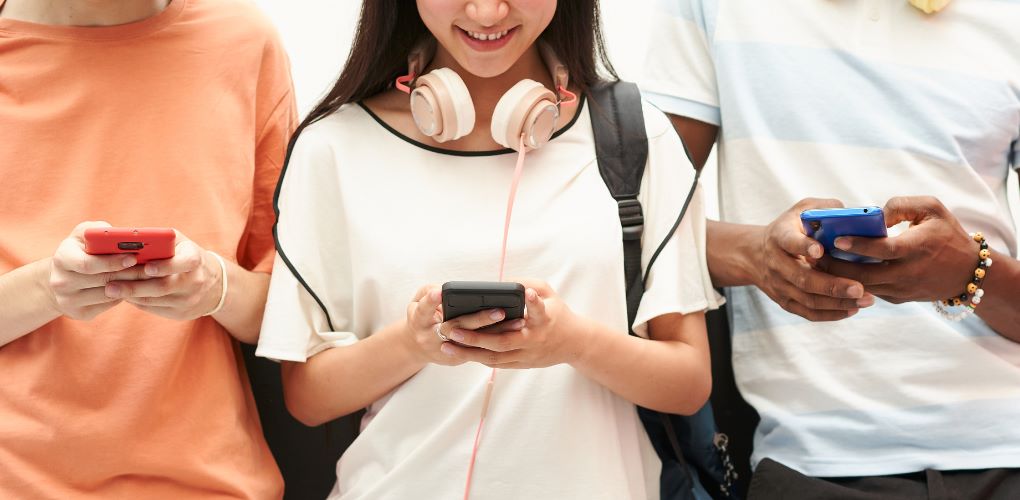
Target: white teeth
[{"x": 484, "y": 37}]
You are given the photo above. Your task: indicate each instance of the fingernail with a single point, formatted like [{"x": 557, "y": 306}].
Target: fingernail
[
  {"x": 855, "y": 291},
  {"x": 151, "y": 270},
  {"x": 447, "y": 349},
  {"x": 457, "y": 336},
  {"x": 867, "y": 301},
  {"x": 129, "y": 261},
  {"x": 852, "y": 313},
  {"x": 843, "y": 243},
  {"x": 112, "y": 291},
  {"x": 815, "y": 251},
  {"x": 496, "y": 314},
  {"x": 531, "y": 294},
  {"x": 517, "y": 325}
]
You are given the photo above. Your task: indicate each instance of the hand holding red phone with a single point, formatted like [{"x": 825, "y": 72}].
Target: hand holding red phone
[
  {"x": 77, "y": 280},
  {"x": 549, "y": 334},
  {"x": 183, "y": 287}
]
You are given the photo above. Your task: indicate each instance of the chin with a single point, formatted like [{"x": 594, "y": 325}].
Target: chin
[
  {"x": 488, "y": 65},
  {"x": 487, "y": 70}
]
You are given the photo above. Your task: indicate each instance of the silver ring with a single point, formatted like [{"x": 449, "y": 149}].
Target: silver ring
[{"x": 439, "y": 332}]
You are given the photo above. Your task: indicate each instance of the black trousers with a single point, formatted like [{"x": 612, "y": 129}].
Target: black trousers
[{"x": 773, "y": 480}]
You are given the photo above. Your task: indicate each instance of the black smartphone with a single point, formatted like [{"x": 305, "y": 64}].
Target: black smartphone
[{"x": 466, "y": 297}]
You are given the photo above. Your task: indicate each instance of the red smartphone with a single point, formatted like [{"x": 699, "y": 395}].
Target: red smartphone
[{"x": 147, "y": 243}]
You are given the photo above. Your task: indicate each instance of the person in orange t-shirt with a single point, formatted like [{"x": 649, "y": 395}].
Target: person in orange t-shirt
[{"x": 123, "y": 380}]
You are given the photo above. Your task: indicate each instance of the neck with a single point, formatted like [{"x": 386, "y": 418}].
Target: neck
[
  {"x": 82, "y": 12},
  {"x": 485, "y": 92}
]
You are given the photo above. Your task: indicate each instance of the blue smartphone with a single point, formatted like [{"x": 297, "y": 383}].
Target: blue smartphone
[{"x": 827, "y": 224}]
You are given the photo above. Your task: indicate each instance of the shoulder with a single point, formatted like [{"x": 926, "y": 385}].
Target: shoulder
[
  {"x": 663, "y": 139},
  {"x": 666, "y": 149},
  {"x": 656, "y": 122},
  {"x": 319, "y": 147},
  {"x": 333, "y": 131},
  {"x": 239, "y": 21}
]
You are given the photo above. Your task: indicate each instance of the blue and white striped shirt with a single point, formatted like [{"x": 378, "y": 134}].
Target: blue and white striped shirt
[{"x": 860, "y": 100}]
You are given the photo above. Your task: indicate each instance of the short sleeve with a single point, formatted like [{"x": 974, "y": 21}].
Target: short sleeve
[
  {"x": 276, "y": 119},
  {"x": 679, "y": 74},
  {"x": 679, "y": 281},
  {"x": 309, "y": 306}
]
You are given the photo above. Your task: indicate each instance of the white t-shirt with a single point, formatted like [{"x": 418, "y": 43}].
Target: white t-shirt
[
  {"x": 860, "y": 101},
  {"x": 368, "y": 216}
]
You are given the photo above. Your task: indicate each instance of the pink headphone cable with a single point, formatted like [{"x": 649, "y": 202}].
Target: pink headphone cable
[{"x": 518, "y": 170}]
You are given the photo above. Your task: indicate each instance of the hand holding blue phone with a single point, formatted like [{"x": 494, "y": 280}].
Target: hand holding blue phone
[{"x": 827, "y": 224}]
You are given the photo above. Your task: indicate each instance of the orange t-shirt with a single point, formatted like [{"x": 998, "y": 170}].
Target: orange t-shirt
[{"x": 179, "y": 120}]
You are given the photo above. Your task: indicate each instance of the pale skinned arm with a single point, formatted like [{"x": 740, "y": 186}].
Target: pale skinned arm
[
  {"x": 670, "y": 373},
  {"x": 189, "y": 286},
  {"x": 342, "y": 380},
  {"x": 27, "y": 301},
  {"x": 70, "y": 283},
  {"x": 82, "y": 286}
]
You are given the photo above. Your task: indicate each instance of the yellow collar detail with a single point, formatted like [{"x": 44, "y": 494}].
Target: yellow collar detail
[{"x": 929, "y": 6}]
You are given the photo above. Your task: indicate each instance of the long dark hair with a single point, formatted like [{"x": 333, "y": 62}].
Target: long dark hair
[{"x": 388, "y": 29}]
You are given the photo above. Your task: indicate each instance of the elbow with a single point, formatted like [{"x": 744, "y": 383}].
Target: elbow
[
  {"x": 301, "y": 403},
  {"x": 695, "y": 397},
  {"x": 700, "y": 395},
  {"x": 303, "y": 413}
]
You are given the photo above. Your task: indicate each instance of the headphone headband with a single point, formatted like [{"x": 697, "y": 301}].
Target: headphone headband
[{"x": 442, "y": 108}]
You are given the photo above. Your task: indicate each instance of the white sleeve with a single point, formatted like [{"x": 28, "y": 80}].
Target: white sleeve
[
  {"x": 679, "y": 281},
  {"x": 310, "y": 292},
  {"x": 679, "y": 74}
]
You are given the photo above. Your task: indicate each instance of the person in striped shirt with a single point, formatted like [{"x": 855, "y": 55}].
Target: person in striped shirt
[{"x": 861, "y": 384}]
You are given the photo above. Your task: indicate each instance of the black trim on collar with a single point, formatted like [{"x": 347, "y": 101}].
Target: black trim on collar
[
  {"x": 451, "y": 152},
  {"x": 286, "y": 165}
]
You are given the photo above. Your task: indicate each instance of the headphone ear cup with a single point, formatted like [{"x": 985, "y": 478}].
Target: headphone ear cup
[
  {"x": 528, "y": 108},
  {"x": 441, "y": 105}
]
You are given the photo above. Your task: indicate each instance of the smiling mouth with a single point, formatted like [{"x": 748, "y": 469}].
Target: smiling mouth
[{"x": 487, "y": 37}]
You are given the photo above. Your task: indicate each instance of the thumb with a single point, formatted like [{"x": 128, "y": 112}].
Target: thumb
[
  {"x": 915, "y": 209},
  {"x": 535, "y": 306}
]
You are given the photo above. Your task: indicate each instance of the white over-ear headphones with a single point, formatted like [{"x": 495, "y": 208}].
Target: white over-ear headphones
[{"x": 442, "y": 107}]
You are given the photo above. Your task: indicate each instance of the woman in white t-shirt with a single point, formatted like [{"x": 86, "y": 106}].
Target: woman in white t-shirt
[{"x": 374, "y": 215}]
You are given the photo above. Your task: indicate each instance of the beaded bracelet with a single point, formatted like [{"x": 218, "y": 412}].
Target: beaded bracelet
[{"x": 974, "y": 290}]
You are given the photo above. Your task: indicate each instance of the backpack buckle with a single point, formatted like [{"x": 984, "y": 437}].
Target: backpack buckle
[{"x": 631, "y": 218}]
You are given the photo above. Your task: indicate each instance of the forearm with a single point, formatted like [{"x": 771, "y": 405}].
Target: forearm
[
  {"x": 245, "y": 302},
  {"x": 732, "y": 252},
  {"x": 1000, "y": 306},
  {"x": 342, "y": 380},
  {"x": 27, "y": 305},
  {"x": 665, "y": 375}
]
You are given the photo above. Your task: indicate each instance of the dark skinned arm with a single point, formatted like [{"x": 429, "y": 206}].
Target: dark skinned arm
[{"x": 776, "y": 258}]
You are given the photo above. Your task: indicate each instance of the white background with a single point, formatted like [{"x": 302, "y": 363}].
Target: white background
[{"x": 318, "y": 33}]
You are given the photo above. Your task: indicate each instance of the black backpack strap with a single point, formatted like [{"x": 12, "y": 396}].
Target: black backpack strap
[{"x": 621, "y": 147}]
